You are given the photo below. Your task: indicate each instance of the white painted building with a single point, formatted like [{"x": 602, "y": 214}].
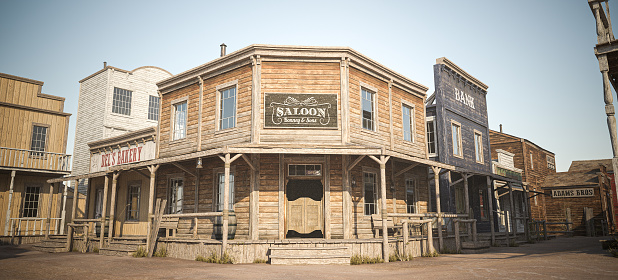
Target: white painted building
[{"x": 114, "y": 101}]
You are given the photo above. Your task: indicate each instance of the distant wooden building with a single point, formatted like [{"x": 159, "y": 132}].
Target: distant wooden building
[
  {"x": 33, "y": 139},
  {"x": 286, "y": 145},
  {"x": 535, "y": 162},
  {"x": 584, "y": 196}
]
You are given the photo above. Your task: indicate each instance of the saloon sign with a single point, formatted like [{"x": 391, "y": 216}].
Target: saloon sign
[
  {"x": 123, "y": 155},
  {"x": 573, "y": 192},
  {"x": 283, "y": 110}
]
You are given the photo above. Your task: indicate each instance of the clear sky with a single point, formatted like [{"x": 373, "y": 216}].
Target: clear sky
[{"x": 536, "y": 56}]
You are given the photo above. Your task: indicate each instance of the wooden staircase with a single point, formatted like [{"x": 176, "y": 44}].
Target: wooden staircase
[
  {"x": 290, "y": 255},
  {"x": 124, "y": 246},
  {"x": 53, "y": 244}
]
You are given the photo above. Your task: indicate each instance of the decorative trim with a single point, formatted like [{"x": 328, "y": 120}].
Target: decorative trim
[
  {"x": 17, "y": 106},
  {"x": 21, "y": 79}
]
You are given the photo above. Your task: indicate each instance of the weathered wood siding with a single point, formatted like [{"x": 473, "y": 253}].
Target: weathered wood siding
[
  {"x": 295, "y": 78},
  {"x": 269, "y": 197},
  {"x": 167, "y": 146}
]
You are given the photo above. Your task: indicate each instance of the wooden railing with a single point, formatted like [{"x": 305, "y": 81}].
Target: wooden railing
[
  {"x": 30, "y": 226},
  {"x": 193, "y": 216},
  {"x": 29, "y": 159}
]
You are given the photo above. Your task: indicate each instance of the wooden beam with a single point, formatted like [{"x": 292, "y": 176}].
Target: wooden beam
[
  {"x": 406, "y": 169},
  {"x": 184, "y": 169},
  {"x": 142, "y": 173},
  {"x": 248, "y": 161},
  {"x": 355, "y": 162}
]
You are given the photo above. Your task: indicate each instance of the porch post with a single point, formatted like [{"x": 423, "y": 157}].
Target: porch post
[
  {"x": 49, "y": 209},
  {"x": 226, "y": 201},
  {"x": 64, "y": 209},
  {"x": 104, "y": 212},
  {"x": 345, "y": 195},
  {"x": 8, "y": 209},
  {"x": 436, "y": 178},
  {"x": 112, "y": 206},
  {"x": 467, "y": 202},
  {"x": 512, "y": 212},
  {"x": 327, "y": 222},
  {"x": 254, "y": 198},
  {"x": 526, "y": 218},
  {"x": 73, "y": 210},
  {"x": 382, "y": 161},
  {"x": 153, "y": 171},
  {"x": 490, "y": 202}
]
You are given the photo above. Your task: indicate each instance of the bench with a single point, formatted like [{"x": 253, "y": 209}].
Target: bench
[
  {"x": 169, "y": 224},
  {"x": 376, "y": 225}
]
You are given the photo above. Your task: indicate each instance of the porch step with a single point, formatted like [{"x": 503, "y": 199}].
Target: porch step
[
  {"x": 290, "y": 255},
  {"x": 469, "y": 247},
  {"x": 53, "y": 244},
  {"x": 123, "y": 246}
]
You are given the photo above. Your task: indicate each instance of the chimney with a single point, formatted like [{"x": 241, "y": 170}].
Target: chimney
[
  {"x": 223, "y": 49},
  {"x": 500, "y": 128},
  {"x": 104, "y": 64}
]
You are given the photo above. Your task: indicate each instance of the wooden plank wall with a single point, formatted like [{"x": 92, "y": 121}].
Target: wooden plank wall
[
  {"x": 20, "y": 121},
  {"x": 269, "y": 197},
  {"x": 417, "y": 147},
  {"x": 301, "y": 77}
]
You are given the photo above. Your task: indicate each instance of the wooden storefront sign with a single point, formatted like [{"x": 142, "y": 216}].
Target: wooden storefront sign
[
  {"x": 122, "y": 155},
  {"x": 572, "y": 192},
  {"x": 290, "y": 110}
]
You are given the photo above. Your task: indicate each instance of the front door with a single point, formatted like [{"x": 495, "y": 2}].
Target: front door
[{"x": 304, "y": 209}]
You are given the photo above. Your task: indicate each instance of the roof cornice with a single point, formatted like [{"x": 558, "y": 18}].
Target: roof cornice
[{"x": 454, "y": 67}]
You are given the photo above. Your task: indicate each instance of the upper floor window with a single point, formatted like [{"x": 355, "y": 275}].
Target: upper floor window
[
  {"x": 39, "y": 139},
  {"x": 227, "y": 108},
  {"x": 431, "y": 136},
  {"x": 31, "y": 202},
  {"x": 368, "y": 103},
  {"x": 456, "y": 134},
  {"x": 220, "y": 191},
  {"x": 180, "y": 121},
  {"x": 478, "y": 146},
  {"x": 153, "y": 108},
  {"x": 121, "y": 103},
  {"x": 408, "y": 123},
  {"x": 410, "y": 195},
  {"x": 551, "y": 162}
]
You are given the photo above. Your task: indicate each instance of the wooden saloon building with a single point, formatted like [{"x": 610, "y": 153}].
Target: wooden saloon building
[{"x": 287, "y": 145}]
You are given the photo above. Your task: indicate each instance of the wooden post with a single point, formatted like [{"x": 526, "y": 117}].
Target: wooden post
[
  {"x": 8, "y": 209},
  {"x": 281, "y": 199},
  {"x": 467, "y": 199},
  {"x": 226, "y": 199},
  {"x": 512, "y": 212},
  {"x": 457, "y": 243},
  {"x": 254, "y": 199},
  {"x": 112, "y": 206},
  {"x": 526, "y": 213},
  {"x": 474, "y": 235},
  {"x": 104, "y": 212},
  {"x": 430, "y": 237},
  {"x": 545, "y": 230},
  {"x": 64, "y": 209},
  {"x": 406, "y": 238},
  {"x": 327, "y": 222},
  {"x": 568, "y": 221},
  {"x": 153, "y": 171},
  {"x": 436, "y": 177},
  {"x": 382, "y": 161},
  {"x": 346, "y": 196},
  {"x": 490, "y": 201},
  {"x": 73, "y": 210},
  {"x": 49, "y": 209},
  {"x": 588, "y": 218}
]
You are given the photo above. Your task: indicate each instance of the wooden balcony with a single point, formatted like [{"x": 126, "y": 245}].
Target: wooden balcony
[{"x": 34, "y": 160}]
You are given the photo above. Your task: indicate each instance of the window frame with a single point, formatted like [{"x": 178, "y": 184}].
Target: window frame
[
  {"x": 173, "y": 205},
  {"x": 374, "y": 107},
  {"x": 218, "y": 189},
  {"x": 218, "y": 116},
  {"x": 531, "y": 161},
  {"x": 412, "y": 108},
  {"x": 305, "y": 165},
  {"x": 551, "y": 164},
  {"x": 174, "y": 106},
  {"x": 479, "y": 156},
  {"x": 130, "y": 209},
  {"x": 118, "y": 103},
  {"x": 27, "y": 212},
  {"x": 45, "y": 140},
  {"x": 459, "y": 139},
  {"x": 154, "y": 110},
  {"x": 376, "y": 198},
  {"x": 415, "y": 208},
  {"x": 431, "y": 119}
]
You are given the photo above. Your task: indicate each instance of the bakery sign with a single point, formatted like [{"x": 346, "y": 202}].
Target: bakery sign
[
  {"x": 572, "y": 192},
  {"x": 289, "y": 110},
  {"x": 120, "y": 155}
]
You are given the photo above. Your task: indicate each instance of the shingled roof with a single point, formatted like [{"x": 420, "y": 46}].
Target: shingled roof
[{"x": 588, "y": 165}]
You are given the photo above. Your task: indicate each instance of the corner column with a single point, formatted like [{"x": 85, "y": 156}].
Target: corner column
[
  {"x": 153, "y": 172},
  {"x": 64, "y": 209}
]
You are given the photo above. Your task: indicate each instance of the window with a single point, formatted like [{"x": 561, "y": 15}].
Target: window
[
  {"x": 531, "y": 161},
  {"x": 431, "y": 136},
  {"x": 174, "y": 204},
  {"x": 367, "y": 100},
  {"x": 31, "y": 202},
  {"x": 180, "y": 121},
  {"x": 478, "y": 146},
  {"x": 121, "y": 103},
  {"x": 219, "y": 192},
  {"x": 410, "y": 195},
  {"x": 371, "y": 194},
  {"x": 39, "y": 137},
  {"x": 153, "y": 108},
  {"x": 133, "y": 203},
  {"x": 551, "y": 162},
  {"x": 408, "y": 123},
  {"x": 456, "y": 133},
  {"x": 305, "y": 170},
  {"x": 227, "y": 108}
]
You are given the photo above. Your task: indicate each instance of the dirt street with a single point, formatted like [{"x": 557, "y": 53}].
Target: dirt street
[{"x": 562, "y": 258}]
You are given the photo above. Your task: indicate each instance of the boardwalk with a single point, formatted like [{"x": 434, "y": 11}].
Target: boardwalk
[{"x": 563, "y": 258}]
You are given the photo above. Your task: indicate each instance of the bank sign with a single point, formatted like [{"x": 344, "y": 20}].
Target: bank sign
[
  {"x": 289, "y": 110},
  {"x": 123, "y": 155},
  {"x": 572, "y": 193}
]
